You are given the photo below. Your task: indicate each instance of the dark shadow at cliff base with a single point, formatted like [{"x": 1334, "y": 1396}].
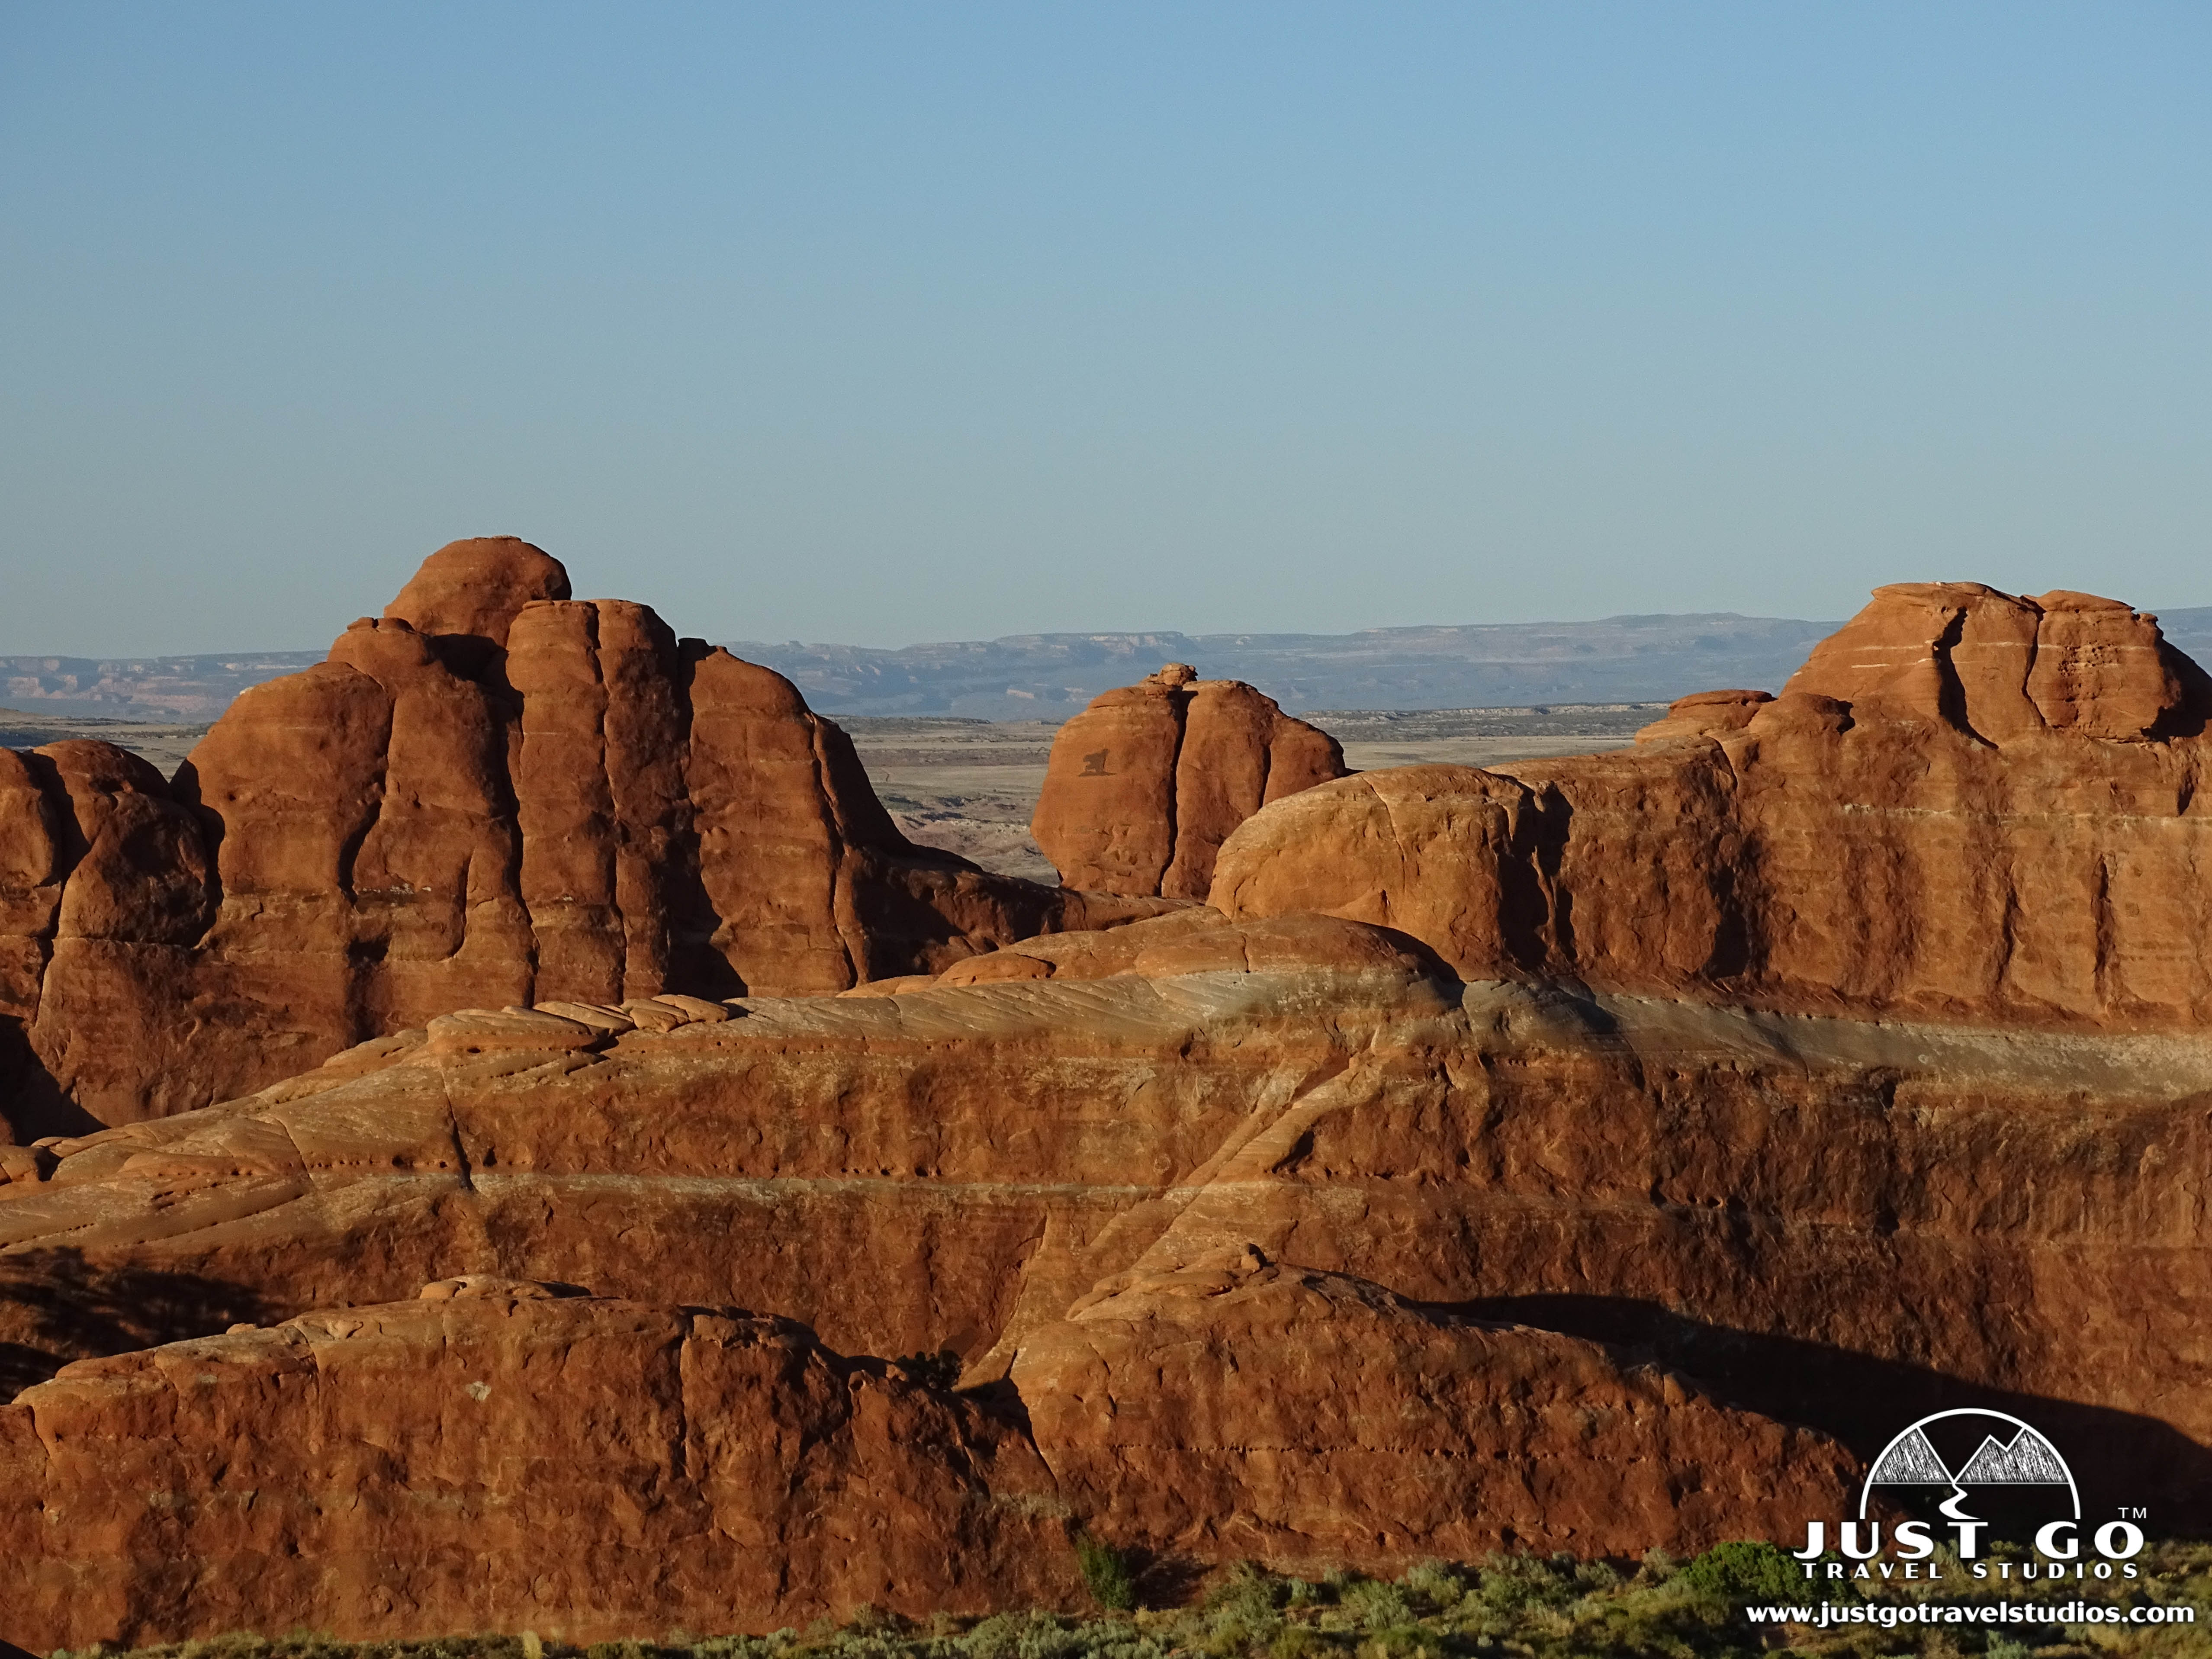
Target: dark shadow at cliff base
[
  {"x": 1163, "y": 1579},
  {"x": 56, "y": 1306},
  {"x": 2117, "y": 1457},
  {"x": 32, "y": 1104}
]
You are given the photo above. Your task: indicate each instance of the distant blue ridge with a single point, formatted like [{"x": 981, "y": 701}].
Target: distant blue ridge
[{"x": 1645, "y": 659}]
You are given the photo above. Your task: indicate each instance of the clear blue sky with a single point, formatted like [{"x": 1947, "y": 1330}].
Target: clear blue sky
[{"x": 885, "y": 323}]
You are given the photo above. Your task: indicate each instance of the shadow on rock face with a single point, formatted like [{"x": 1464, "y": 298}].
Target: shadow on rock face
[
  {"x": 55, "y": 1306},
  {"x": 32, "y": 1104},
  {"x": 2118, "y": 1457}
]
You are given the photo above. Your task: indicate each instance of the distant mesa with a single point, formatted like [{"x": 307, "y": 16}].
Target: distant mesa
[
  {"x": 1486, "y": 665},
  {"x": 1610, "y": 661}
]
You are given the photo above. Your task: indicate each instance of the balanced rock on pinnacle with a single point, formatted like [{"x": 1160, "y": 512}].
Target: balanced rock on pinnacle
[{"x": 476, "y": 588}]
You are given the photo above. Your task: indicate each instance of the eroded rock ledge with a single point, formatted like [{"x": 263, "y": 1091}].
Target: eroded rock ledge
[{"x": 1297, "y": 1250}]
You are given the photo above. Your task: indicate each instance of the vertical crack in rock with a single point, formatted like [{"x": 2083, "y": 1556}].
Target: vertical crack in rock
[{"x": 1144, "y": 786}]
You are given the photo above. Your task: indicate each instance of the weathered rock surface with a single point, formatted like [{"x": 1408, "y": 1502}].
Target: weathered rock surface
[
  {"x": 492, "y": 794},
  {"x": 468, "y": 594},
  {"x": 1199, "y": 939},
  {"x": 1966, "y": 806},
  {"x": 1844, "y": 1051},
  {"x": 2005, "y": 669},
  {"x": 1832, "y": 1223},
  {"x": 602, "y": 1467},
  {"x": 1236, "y": 1407},
  {"x": 502, "y": 1458},
  {"x": 1013, "y": 1170},
  {"x": 1145, "y": 784}
]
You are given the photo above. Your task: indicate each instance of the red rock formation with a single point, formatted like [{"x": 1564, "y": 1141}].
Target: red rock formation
[
  {"x": 1236, "y": 1407},
  {"x": 493, "y": 794},
  {"x": 603, "y": 1466},
  {"x": 1193, "y": 941},
  {"x": 470, "y": 593},
  {"x": 1966, "y": 656},
  {"x": 1226, "y": 1174},
  {"x": 1288, "y": 1244},
  {"x": 1965, "y": 806},
  {"x": 1145, "y": 784},
  {"x": 731, "y": 1470},
  {"x": 1754, "y": 1197},
  {"x": 30, "y": 880}
]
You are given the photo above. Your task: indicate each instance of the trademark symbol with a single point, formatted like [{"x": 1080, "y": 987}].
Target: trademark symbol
[{"x": 2133, "y": 1512}]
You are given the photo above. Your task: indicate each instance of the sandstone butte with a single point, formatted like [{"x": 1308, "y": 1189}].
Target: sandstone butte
[
  {"x": 1598, "y": 1154},
  {"x": 492, "y": 794},
  {"x": 1144, "y": 786},
  {"x": 1965, "y": 806}
]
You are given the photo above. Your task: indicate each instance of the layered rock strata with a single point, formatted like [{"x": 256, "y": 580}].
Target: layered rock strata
[
  {"x": 1205, "y": 1177},
  {"x": 1966, "y": 806},
  {"x": 1635, "y": 1140},
  {"x": 492, "y": 794},
  {"x": 1145, "y": 785}
]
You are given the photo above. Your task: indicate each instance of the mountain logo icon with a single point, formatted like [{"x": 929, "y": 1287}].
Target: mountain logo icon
[{"x": 2009, "y": 1454}]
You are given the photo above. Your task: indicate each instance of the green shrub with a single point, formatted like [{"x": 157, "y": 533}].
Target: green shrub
[
  {"x": 1512, "y": 1583},
  {"x": 1436, "y": 1584},
  {"x": 1598, "y": 1577},
  {"x": 1106, "y": 1573},
  {"x": 1380, "y": 1606},
  {"x": 1525, "y": 1606},
  {"x": 1742, "y": 1572},
  {"x": 995, "y": 1638},
  {"x": 1046, "y": 1637},
  {"x": 1248, "y": 1590},
  {"x": 1031, "y": 1635}
]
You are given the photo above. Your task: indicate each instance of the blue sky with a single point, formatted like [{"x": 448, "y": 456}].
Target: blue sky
[{"x": 886, "y": 323}]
